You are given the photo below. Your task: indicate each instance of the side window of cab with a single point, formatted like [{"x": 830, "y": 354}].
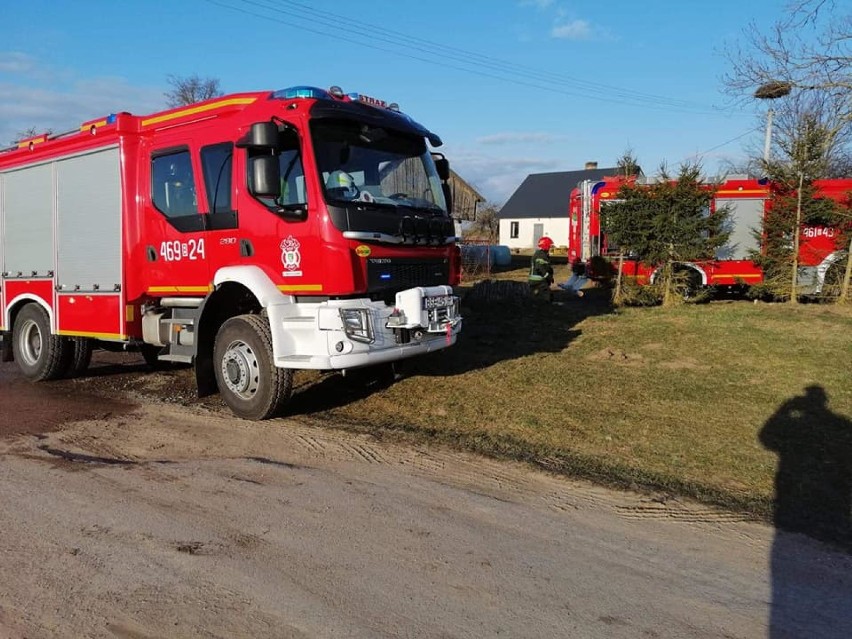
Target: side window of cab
[
  {"x": 217, "y": 166},
  {"x": 173, "y": 189}
]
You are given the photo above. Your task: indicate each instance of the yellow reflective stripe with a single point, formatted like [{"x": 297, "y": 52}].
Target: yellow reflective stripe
[
  {"x": 180, "y": 289},
  {"x": 299, "y": 287},
  {"x": 88, "y": 125},
  {"x": 95, "y": 335},
  {"x": 196, "y": 109}
]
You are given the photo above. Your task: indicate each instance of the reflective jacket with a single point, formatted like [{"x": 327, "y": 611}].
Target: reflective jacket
[{"x": 540, "y": 267}]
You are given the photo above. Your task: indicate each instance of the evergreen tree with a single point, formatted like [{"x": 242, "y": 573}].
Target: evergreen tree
[
  {"x": 628, "y": 165},
  {"x": 666, "y": 224}
]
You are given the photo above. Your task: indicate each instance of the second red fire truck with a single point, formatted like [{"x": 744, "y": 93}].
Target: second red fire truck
[
  {"x": 250, "y": 235},
  {"x": 747, "y": 199}
]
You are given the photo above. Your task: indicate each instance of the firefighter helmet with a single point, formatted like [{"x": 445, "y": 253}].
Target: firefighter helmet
[{"x": 545, "y": 243}]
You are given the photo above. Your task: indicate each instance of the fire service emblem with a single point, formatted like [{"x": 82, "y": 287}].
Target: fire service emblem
[{"x": 291, "y": 258}]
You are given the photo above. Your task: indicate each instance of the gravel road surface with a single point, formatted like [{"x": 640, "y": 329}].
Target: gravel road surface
[{"x": 137, "y": 518}]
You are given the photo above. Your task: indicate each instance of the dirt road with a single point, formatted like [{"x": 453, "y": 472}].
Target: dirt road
[{"x": 156, "y": 519}]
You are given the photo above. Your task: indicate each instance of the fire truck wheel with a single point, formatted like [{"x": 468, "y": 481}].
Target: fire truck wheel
[
  {"x": 693, "y": 284},
  {"x": 81, "y": 354},
  {"x": 40, "y": 355},
  {"x": 250, "y": 383}
]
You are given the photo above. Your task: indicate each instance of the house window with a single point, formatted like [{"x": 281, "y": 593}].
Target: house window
[{"x": 513, "y": 230}]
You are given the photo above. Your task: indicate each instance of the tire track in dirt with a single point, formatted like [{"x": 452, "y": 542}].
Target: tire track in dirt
[
  {"x": 182, "y": 433},
  {"x": 678, "y": 513}
]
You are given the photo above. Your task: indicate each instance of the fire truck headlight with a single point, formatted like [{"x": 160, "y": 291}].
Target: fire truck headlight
[{"x": 356, "y": 324}]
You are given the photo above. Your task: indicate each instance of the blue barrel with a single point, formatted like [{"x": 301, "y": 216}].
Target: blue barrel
[
  {"x": 501, "y": 255},
  {"x": 476, "y": 255}
]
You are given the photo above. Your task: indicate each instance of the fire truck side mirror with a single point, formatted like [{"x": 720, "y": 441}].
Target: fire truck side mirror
[
  {"x": 263, "y": 135},
  {"x": 265, "y": 176},
  {"x": 448, "y": 197},
  {"x": 442, "y": 166}
]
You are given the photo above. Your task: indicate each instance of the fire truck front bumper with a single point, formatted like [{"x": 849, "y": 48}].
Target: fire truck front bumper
[{"x": 342, "y": 334}]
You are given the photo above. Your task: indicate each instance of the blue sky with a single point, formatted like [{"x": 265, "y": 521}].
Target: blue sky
[{"x": 512, "y": 86}]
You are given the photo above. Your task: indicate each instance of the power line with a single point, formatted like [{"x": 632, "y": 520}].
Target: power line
[
  {"x": 492, "y": 62},
  {"x": 469, "y": 65},
  {"x": 719, "y": 146}
]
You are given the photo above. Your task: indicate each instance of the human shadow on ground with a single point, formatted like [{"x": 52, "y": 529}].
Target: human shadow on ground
[{"x": 811, "y": 583}]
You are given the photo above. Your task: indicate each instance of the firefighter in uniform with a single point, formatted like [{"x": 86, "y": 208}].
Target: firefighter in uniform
[{"x": 541, "y": 270}]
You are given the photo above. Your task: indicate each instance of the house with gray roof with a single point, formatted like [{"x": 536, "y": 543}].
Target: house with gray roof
[{"x": 540, "y": 206}]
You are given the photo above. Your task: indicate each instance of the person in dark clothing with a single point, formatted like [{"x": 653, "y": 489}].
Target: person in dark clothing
[{"x": 541, "y": 270}]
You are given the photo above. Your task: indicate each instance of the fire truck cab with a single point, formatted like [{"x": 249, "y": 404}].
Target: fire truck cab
[{"x": 250, "y": 235}]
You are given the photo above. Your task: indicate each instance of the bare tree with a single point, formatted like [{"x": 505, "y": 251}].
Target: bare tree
[
  {"x": 807, "y": 50},
  {"x": 807, "y": 58},
  {"x": 30, "y": 133},
  {"x": 486, "y": 226},
  {"x": 191, "y": 89},
  {"x": 816, "y": 111},
  {"x": 803, "y": 63}
]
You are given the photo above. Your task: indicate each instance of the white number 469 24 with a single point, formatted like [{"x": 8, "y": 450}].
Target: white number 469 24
[{"x": 176, "y": 250}]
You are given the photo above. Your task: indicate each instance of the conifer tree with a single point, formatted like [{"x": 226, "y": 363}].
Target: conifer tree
[{"x": 666, "y": 224}]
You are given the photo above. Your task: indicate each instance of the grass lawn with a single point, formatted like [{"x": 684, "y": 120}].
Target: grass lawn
[{"x": 662, "y": 399}]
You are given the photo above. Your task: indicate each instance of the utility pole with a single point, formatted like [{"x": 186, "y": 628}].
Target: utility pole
[
  {"x": 771, "y": 91},
  {"x": 767, "y": 143}
]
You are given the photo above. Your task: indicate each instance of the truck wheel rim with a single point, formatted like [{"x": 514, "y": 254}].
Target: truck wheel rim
[
  {"x": 240, "y": 370},
  {"x": 30, "y": 343}
]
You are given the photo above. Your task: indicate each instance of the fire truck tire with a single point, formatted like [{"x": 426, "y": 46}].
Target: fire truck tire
[
  {"x": 693, "y": 285},
  {"x": 833, "y": 282},
  {"x": 81, "y": 355},
  {"x": 40, "y": 355},
  {"x": 250, "y": 383}
]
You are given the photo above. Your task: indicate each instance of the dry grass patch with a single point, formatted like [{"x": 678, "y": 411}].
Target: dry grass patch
[{"x": 671, "y": 399}]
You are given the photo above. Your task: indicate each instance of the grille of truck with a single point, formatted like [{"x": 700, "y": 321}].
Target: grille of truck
[{"x": 396, "y": 274}]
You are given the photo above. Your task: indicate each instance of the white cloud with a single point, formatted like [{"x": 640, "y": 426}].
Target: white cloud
[
  {"x": 497, "y": 177},
  {"x": 15, "y": 62},
  {"x": 62, "y": 103},
  {"x": 572, "y": 30},
  {"x": 520, "y": 138}
]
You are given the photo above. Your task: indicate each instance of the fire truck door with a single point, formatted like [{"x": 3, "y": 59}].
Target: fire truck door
[{"x": 191, "y": 225}]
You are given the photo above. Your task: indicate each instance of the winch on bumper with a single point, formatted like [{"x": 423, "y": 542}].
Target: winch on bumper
[{"x": 423, "y": 310}]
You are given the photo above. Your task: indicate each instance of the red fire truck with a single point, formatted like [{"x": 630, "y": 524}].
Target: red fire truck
[
  {"x": 747, "y": 200},
  {"x": 250, "y": 235}
]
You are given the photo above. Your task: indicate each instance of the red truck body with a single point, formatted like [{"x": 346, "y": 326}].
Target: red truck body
[
  {"x": 748, "y": 201},
  {"x": 324, "y": 214}
]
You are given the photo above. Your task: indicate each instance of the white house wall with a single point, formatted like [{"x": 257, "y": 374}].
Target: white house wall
[{"x": 556, "y": 228}]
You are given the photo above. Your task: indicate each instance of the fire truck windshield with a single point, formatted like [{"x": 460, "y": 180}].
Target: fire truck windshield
[{"x": 376, "y": 167}]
